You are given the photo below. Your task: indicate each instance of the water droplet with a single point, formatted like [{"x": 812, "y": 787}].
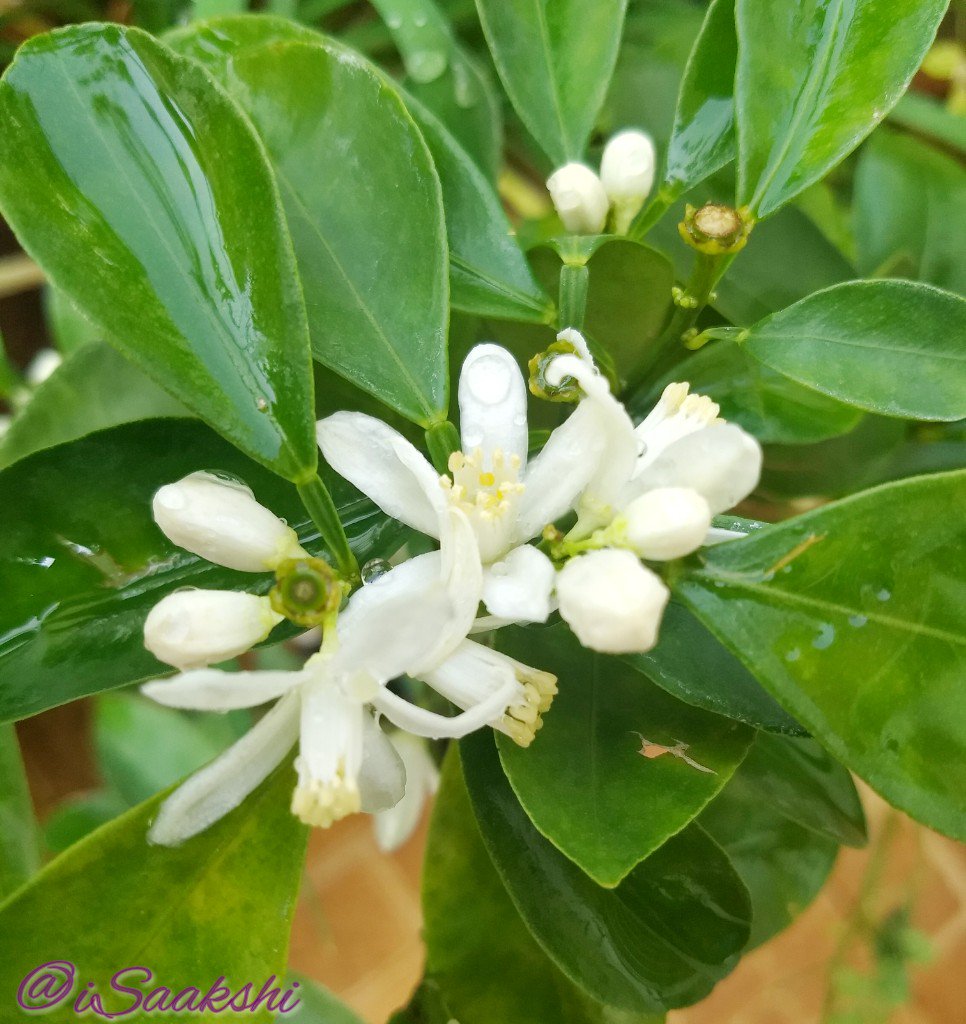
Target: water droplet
[
  {"x": 374, "y": 568},
  {"x": 464, "y": 90},
  {"x": 262, "y": 404},
  {"x": 825, "y": 637},
  {"x": 426, "y": 65},
  {"x": 857, "y": 620},
  {"x": 883, "y": 594},
  {"x": 394, "y": 22},
  {"x": 793, "y": 655},
  {"x": 420, "y": 21},
  {"x": 519, "y": 420}
]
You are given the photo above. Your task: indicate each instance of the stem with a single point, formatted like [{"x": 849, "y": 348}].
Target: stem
[
  {"x": 573, "y": 295},
  {"x": 665, "y": 198},
  {"x": 317, "y": 500},
  {"x": 442, "y": 439}
]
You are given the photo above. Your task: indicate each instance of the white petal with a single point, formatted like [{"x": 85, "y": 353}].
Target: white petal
[
  {"x": 220, "y": 520},
  {"x": 42, "y": 366},
  {"x": 720, "y": 462},
  {"x": 676, "y": 415},
  {"x": 519, "y": 587},
  {"x": 208, "y": 689},
  {"x": 426, "y": 723},
  {"x": 557, "y": 477},
  {"x": 382, "y": 774},
  {"x": 395, "y": 825},
  {"x": 627, "y": 174},
  {"x": 366, "y": 452},
  {"x": 612, "y": 602},
  {"x": 668, "y": 522},
  {"x": 192, "y": 628},
  {"x": 579, "y": 198},
  {"x": 221, "y": 786},
  {"x": 493, "y": 404}
]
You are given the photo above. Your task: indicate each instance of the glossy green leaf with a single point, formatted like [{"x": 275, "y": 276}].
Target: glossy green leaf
[
  {"x": 317, "y": 1005},
  {"x": 489, "y": 275},
  {"x": 446, "y": 78},
  {"x": 94, "y": 388},
  {"x": 465, "y": 908},
  {"x": 184, "y": 913},
  {"x": 783, "y": 864},
  {"x": 19, "y": 841},
  {"x": 852, "y": 616},
  {"x": 377, "y": 320},
  {"x": 910, "y": 212},
  {"x": 661, "y": 939},
  {"x": 892, "y": 347},
  {"x": 584, "y": 783},
  {"x": 813, "y": 79},
  {"x": 555, "y": 58},
  {"x": 703, "y": 137},
  {"x": 82, "y": 566},
  {"x": 767, "y": 404},
  {"x": 693, "y": 666},
  {"x": 149, "y": 201},
  {"x": 69, "y": 327},
  {"x": 797, "y": 778},
  {"x": 143, "y": 747}
]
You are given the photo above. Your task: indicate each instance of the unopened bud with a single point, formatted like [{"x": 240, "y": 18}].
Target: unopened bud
[
  {"x": 561, "y": 390},
  {"x": 612, "y": 602},
  {"x": 195, "y": 628},
  {"x": 627, "y": 173},
  {"x": 715, "y": 228},
  {"x": 668, "y": 522},
  {"x": 579, "y": 198},
  {"x": 307, "y": 591},
  {"x": 221, "y": 521}
]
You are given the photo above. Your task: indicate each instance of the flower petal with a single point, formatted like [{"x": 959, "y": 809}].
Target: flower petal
[
  {"x": 209, "y": 689},
  {"x": 519, "y": 587},
  {"x": 395, "y": 825},
  {"x": 367, "y": 452},
  {"x": 427, "y": 723},
  {"x": 382, "y": 775},
  {"x": 493, "y": 403},
  {"x": 221, "y": 786}
]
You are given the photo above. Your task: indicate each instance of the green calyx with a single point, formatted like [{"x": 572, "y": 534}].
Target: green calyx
[
  {"x": 307, "y": 591},
  {"x": 716, "y": 229},
  {"x": 568, "y": 390}
]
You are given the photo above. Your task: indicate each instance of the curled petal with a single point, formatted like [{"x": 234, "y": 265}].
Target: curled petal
[{"x": 420, "y": 722}]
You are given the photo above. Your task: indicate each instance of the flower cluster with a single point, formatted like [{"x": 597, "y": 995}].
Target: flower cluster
[
  {"x": 631, "y": 494},
  {"x": 584, "y": 199}
]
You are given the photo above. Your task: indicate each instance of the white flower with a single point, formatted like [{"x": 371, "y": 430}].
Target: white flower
[
  {"x": 611, "y": 602},
  {"x": 668, "y": 522},
  {"x": 507, "y": 499},
  {"x": 190, "y": 628},
  {"x": 395, "y": 825},
  {"x": 579, "y": 199},
  {"x": 220, "y": 520},
  {"x": 627, "y": 173}
]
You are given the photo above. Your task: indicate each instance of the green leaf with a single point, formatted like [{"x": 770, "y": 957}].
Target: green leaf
[
  {"x": 69, "y": 327},
  {"x": 892, "y": 347},
  {"x": 813, "y": 79},
  {"x": 798, "y": 779},
  {"x": 910, "y": 211},
  {"x": 317, "y": 1005},
  {"x": 783, "y": 865},
  {"x": 927, "y": 116},
  {"x": 94, "y": 388},
  {"x": 703, "y": 137},
  {"x": 143, "y": 747},
  {"x": 555, "y": 58},
  {"x": 693, "y": 666},
  {"x": 79, "y": 815},
  {"x": 185, "y": 913},
  {"x": 465, "y": 907},
  {"x": 584, "y": 783},
  {"x": 143, "y": 193},
  {"x": 489, "y": 275},
  {"x": 446, "y": 78},
  {"x": 852, "y": 616},
  {"x": 82, "y": 566},
  {"x": 19, "y": 839},
  {"x": 376, "y": 319},
  {"x": 661, "y": 939},
  {"x": 767, "y": 404}
]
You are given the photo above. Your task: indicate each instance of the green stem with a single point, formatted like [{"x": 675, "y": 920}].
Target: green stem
[
  {"x": 573, "y": 295},
  {"x": 665, "y": 198},
  {"x": 442, "y": 439},
  {"x": 316, "y": 498}
]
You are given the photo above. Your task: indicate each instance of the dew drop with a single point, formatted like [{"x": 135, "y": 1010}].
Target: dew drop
[
  {"x": 426, "y": 65},
  {"x": 883, "y": 594},
  {"x": 490, "y": 379},
  {"x": 825, "y": 637},
  {"x": 857, "y": 620},
  {"x": 793, "y": 655},
  {"x": 262, "y": 404},
  {"x": 374, "y": 568}
]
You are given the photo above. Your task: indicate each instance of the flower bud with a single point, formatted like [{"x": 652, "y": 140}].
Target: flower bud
[
  {"x": 579, "y": 199},
  {"x": 627, "y": 173},
  {"x": 42, "y": 366},
  {"x": 668, "y": 522},
  {"x": 612, "y": 602},
  {"x": 221, "y": 521},
  {"x": 195, "y": 628}
]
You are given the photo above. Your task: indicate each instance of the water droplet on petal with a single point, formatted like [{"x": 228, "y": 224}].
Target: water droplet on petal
[{"x": 374, "y": 568}]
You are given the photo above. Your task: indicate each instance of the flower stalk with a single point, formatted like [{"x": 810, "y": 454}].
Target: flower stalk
[{"x": 320, "y": 506}]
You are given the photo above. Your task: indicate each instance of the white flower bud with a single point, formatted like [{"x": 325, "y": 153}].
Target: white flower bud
[
  {"x": 42, "y": 366},
  {"x": 221, "y": 521},
  {"x": 579, "y": 199},
  {"x": 627, "y": 173},
  {"x": 668, "y": 522},
  {"x": 195, "y": 628},
  {"x": 612, "y": 602}
]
